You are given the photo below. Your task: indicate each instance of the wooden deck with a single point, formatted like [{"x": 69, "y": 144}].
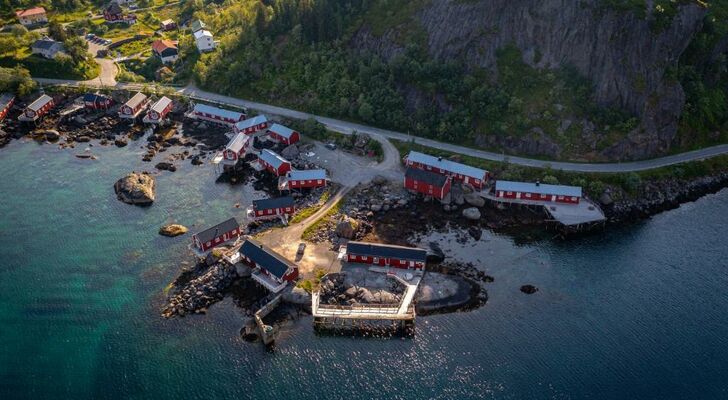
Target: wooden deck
[{"x": 586, "y": 212}]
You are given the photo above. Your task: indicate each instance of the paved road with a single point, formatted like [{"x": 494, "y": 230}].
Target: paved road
[{"x": 348, "y": 127}]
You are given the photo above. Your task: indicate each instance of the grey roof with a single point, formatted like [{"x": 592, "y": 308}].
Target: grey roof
[
  {"x": 447, "y": 165},
  {"x": 197, "y": 25},
  {"x": 251, "y": 122},
  {"x": 136, "y": 100},
  {"x": 426, "y": 176},
  {"x": 46, "y": 44},
  {"x": 238, "y": 142},
  {"x": 201, "y": 33},
  {"x": 204, "y": 108},
  {"x": 284, "y": 131},
  {"x": 114, "y": 8},
  {"x": 272, "y": 158},
  {"x": 266, "y": 258},
  {"x": 217, "y": 230},
  {"x": 278, "y": 202},
  {"x": 161, "y": 104},
  {"x": 5, "y": 99},
  {"x": 40, "y": 102},
  {"x": 309, "y": 174},
  {"x": 540, "y": 188},
  {"x": 386, "y": 251}
]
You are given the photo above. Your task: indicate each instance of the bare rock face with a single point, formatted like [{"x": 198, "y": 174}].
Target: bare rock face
[
  {"x": 290, "y": 152},
  {"x": 347, "y": 228},
  {"x": 172, "y": 230},
  {"x": 136, "y": 188}
]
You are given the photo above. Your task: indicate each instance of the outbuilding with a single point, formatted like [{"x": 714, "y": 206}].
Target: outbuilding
[
  {"x": 274, "y": 207},
  {"x": 427, "y": 183},
  {"x": 167, "y": 25},
  {"x": 37, "y": 109},
  {"x": 32, "y": 16},
  {"x": 236, "y": 148},
  {"x": 217, "y": 235},
  {"x": 271, "y": 270},
  {"x": 283, "y": 134},
  {"x": 475, "y": 177},
  {"x": 96, "y": 101},
  {"x": 134, "y": 106},
  {"x": 386, "y": 255},
  {"x": 274, "y": 163},
  {"x": 251, "y": 125},
  {"x": 159, "y": 111},
  {"x": 6, "y": 102},
  {"x": 214, "y": 114},
  {"x": 538, "y": 192},
  {"x": 311, "y": 178}
]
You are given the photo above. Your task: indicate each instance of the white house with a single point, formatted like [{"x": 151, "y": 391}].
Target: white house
[
  {"x": 204, "y": 41},
  {"x": 32, "y": 16},
  {"x": 46, "y": 47}
]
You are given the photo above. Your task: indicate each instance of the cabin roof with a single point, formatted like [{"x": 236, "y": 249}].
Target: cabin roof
[
  {"x": 45, "y": 44},
  {"x": 135, "y": 100},
  {"x": 161, "y": 104},
  {"x": 238, "y": 142},
  {"x": 163, "y": 44},
  {"x": 167, "y": 22},
  {"x": 204, "y": 108},
  {"x": 266, "y": 258},
  {"x": 200, "y": 33},
  {"x": 426, "y": 176},
  {"x": 272, "y": 158},
  {"x": 197, "y": 25},
  {"x": 281, "y": 130},
  {"x": 387, "y": 251},
  {"x": 218, "y": 230},
  {"x": 30, "y": 11},
  {"x": 309, "y": 174},
  {"x": 540, "y": 188},
  {"x": 447, "y": 165},
  {"x": 114, "y": 8},
  {"x": 40, "y": 102},
  {"x": 251, "y": 122},
  {"x": 5, "y": 100},
  {"x": 93, "y": 97},
  {"x": 278, "y": 202}
]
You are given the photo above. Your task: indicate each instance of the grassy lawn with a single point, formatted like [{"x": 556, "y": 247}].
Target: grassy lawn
[
  {"x": 135, "y": 47},
  {"x": 43, "y": 68},
  {"x": 308, "y": 232},
  {"x": 142, "y": 67},
  {"x": 309, "y": 211}
]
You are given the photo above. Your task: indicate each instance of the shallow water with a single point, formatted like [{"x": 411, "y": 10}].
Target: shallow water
[{"x": 637, "y": 312}]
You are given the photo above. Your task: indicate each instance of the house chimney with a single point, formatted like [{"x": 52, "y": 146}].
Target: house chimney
[
  {"x": 217, "y": 230},
  {"x": 439, "y": 158},
  {"x": 538, "y": 183}
]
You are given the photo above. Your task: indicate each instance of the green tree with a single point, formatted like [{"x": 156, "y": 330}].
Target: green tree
[
  {"x": 16, "y": 80},
  {"x": 56, "y": 31},
  {"x": 77, "y": 48},
  {"x": 550, "y": 180},
  {"x": 366, "y": 112}
]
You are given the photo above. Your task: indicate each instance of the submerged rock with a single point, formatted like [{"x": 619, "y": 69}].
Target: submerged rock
[
  {"x": 120, "y": 142},
  {"x": 136, "y": 188},
  {"x": 165, "y": 166},
  {"x": 529, "y": 289},
  {"x": 172, "y": 230}
]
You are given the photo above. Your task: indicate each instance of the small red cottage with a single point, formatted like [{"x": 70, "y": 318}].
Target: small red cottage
[
  {"x": 95, "y": 101},
  {"x": 214, "y": 114},
  {"x": 311, "y": 178},
  {"x": 427, "y": 183},
  {"x": 6, "y": 102},
  {"x": 460, "y": 172},
  {"x": 167, "y": 25},
  {"x": 272, "y": 271},
  {"x": 215, "y": 236},
  {"x": 538, "y": 192},
  {"x": 274, "y": 163},
  {"x": 251, "y": 125},
  {"x": 274, "y": 207},
  {"x": 236, "y": 148},
  {"x": 386, "y": 255},
  {"x": 159, "y": 111},
  {"x": 114, "y": 13},
  {"x": 134, "y": 107},
  {"x": 38, "y": 108},
  {"x": 282, "y": 134}
]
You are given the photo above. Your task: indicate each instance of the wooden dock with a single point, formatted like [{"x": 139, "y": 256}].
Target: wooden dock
[{"x": 586, "y": 212}]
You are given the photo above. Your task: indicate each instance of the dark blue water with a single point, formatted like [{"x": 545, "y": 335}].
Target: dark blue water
[{"x": 638, "y": 312}]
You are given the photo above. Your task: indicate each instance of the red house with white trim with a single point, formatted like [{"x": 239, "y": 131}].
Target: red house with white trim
[
  {"x": 427, "y": 183},
  {"x": 271, "y": 270},
  {"x": 217, "y": 235},
  {"x": 236, "y": 148},
  {"x": 386, "y": 255},
  {"x": 251, "y": 125},
  {"x": 38, "y": 108},
  {"x": 273, "y": 162},
  {"x": 159, "y": 111},
  {"x": 274, "y": 207},
  {"x": 538, "y": 192},
  {"x": 214, "y": 114},
  {"x": 6, "y": 102},
  {"x": 134, "y": 106},
  {"x": 283, "y": 134},
  {"x": 476, "y": 177},
  {"x": 311, "y": 178},
  {"x": 95, "y": 101}
]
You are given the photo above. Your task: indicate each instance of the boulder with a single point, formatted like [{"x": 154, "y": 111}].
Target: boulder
[
  {"x": 52, "y": 135},
  {"x": 606, "y": 198},
  {"x": 136, "y": 188},
  {"x": 120, "y": 142},
  {"x": 435, "y": 253},
  {"x": 475, "y": 232},
  {"x": 165, "y": 166},
  {"x": 529, "y": 289},
  {"x": 375, "y": 207},
  {"x": 290, "y": 152},
  {"x": 172, "y": 230},
  {"x": 83, "y": 139},
  {"x": 474, "y": 200},
  {"x": 471, "y": 213},
  {"x": 347, "y": 228},
  {"x": 379, "y": 180}
]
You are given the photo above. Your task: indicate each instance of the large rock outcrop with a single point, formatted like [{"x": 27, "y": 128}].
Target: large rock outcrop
[
  {"x": 136, "y": 188},
  {"x": 621, "y": 52}
]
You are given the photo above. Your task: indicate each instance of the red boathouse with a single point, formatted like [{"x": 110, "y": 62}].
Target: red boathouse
[
  {"x": 38, "y": 108},
  {"x": 134, "y": 106},
  {"x": 273, "y": 163},
  {"x": 476, "y": 177},
  {"x": 236, "y": 148},
  {"x": 538, "y": 192},
  {"x": 311, "y": 178},
  {"x": 283, "y": 134},
  {"x": 274, "y": 207},
  {"x": 159, "y": 111},
  {"x": 214, "y": 114},
  {"x": 427, "y": 183},
  {"x": 6, "y": 102},
  {"x": 271, "y": 269},
  {"x": 217, "y": 235},
  {"x": 251, "y": 125},
  {"x": 95, "y": 101},
  {"x": 386, "y": 255}
]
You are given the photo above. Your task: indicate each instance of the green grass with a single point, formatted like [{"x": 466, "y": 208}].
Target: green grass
[
  {"x": 326, "y": 218},
  {"x": 309, "y": 211},
  {"x": 40, "y": 67}
]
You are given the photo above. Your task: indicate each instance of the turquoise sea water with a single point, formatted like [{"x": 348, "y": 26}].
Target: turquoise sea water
[{"x": 638, "y": 312}]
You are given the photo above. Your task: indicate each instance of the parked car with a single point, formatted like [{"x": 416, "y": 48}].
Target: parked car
[
  {"x": 301, "y": 249},
  {"x": 330, "y": 146},
  {"x": 90, "y": 36}
]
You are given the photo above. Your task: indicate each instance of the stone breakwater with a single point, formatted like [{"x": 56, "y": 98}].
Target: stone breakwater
[{"x": 200, "y": 292}]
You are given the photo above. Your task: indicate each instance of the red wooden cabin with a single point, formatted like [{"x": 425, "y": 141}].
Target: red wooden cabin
[
  {"x": 386, "y": 255},
  {"x": 274, "y": 207},
  {"x": 273, "y": 162},
  {"x": 214, "y": 114},
  {"x": 311, "y": 178},
  {"x": 159, "y": 110},
  {"x": 538, "y": 192},
  {"x": 427, "y": 183},
  {"x": 476, "y": 177},
  {"x": 251, "y": 125},
  {"x": 217, "y": 235},
  {"x": 236, "y": 148},
  {"x": 283, "y": 134},
  {"x": 38, "y": 108},
  {"x": 134, "y": 106},
  {"x": 95, "y": 101},
  {"x": 272, "y": 270},
  {"x": 6, "y": 102}
]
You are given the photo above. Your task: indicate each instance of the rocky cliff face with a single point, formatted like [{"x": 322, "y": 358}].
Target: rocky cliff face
[{"x": 619, "y": 52}]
